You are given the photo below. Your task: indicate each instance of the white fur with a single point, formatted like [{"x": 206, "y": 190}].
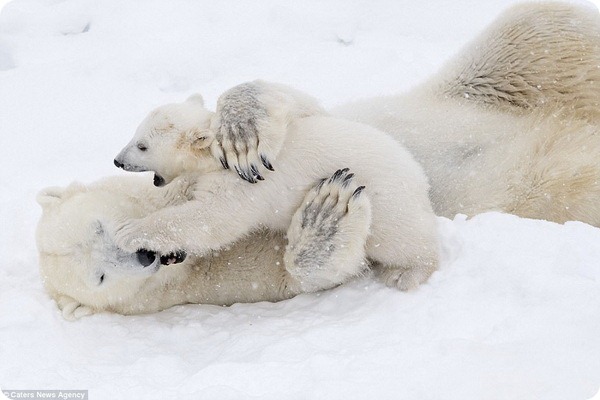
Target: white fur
[
  {"x": 512, "y": 122},
  {"x": 534, "y": 153},
  {"x": 224, "y": 207},
  {"x": 75, "y": 251}
]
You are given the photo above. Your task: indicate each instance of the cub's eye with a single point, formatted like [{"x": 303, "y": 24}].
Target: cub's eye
[
  {"x": 142, "y": 147},
  {"x": 101, "y": 279}
]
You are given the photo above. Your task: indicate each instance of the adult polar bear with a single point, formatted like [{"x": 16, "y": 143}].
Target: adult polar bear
[
  {"x": 513, "y": 122},
  {"x": 86, "y": 273},
  {"x": 510, "y": 124}
]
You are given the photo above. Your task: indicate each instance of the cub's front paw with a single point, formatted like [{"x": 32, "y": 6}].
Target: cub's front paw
[
  {"x": 238, "y": 125},
  {"x": 130, "y": 237}
]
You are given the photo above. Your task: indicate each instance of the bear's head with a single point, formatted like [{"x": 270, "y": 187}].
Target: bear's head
[
  {"x": 81, "y": 267},
  {"x": 172, "y": 140}
]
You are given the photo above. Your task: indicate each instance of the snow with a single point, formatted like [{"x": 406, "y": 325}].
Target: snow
[{"x": 513, "y": 312}]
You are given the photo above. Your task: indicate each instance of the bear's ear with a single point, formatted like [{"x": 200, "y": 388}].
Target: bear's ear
[
  {"x": 196, "y": 98},
  {"x": 50, "y": 196},
  {"x": 55, "y": 194}
]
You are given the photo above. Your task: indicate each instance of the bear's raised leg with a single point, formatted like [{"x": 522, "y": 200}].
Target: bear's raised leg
[
  {"x": 251, "y": 122},
  {"x": 327, "y": 235}
]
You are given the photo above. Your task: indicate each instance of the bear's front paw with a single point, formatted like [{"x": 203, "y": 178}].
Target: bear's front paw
[
  {"x": 237, "y": 126},
  {"x": 327, "y": 235}
]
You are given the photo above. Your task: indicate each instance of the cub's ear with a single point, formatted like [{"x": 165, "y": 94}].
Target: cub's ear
[
  {"x": 198, "y": 139},
  {"x": 196, "y": 98},
  {"x": 55, "y": 194}
]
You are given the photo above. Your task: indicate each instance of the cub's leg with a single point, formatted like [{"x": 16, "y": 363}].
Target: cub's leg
[{"x": 327, "y": 235}]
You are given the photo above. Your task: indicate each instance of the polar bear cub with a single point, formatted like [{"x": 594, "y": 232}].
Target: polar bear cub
[
  {"x": 304, "y": 144},
  {"x": 86, "y": 273}
]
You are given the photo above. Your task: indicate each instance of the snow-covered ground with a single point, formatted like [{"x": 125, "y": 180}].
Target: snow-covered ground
[{"x": 514, "y": 312}]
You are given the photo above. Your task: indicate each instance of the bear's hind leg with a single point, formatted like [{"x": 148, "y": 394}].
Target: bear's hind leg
[
  {"x": 404, "y": 254},
  {"x": 405, "y": 278},
  {"x": 327, "y": 235}
]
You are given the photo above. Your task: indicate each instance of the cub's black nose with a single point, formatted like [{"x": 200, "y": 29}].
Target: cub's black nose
[
  {"x": 158, "y": 180},
  {"x": 146, "y": 257},
  {"x": 118, "y": 164}
]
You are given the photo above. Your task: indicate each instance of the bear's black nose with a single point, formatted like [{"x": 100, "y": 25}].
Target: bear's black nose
[
  {"x": 146, "y": 257},
  {"x": 118, "y": 164}
]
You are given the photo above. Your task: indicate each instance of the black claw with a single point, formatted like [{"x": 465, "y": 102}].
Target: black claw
[
  {"x": 335, "y": 176},
  {"x": 244, "y": 175},
  {"x": 255, "y": 172},
  {"x": 347, "y": 180},
  {"x": 250, "y": 176},
  {"x": 266, "y": 162},
  {"x": 224, "y": 162},
  {"x": 321, "y": 183},
  {"x": 358, "y": 191},
  {"x": 240, "y": 173}
]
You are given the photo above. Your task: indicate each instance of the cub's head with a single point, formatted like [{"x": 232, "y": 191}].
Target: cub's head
[
  {"x": 172, "y": 140},
  {"x": 81, "y": 267}
]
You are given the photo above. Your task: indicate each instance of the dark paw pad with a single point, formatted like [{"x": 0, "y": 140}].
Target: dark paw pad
[{"x": 173, "y": 258}]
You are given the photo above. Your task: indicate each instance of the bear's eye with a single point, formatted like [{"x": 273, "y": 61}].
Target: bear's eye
[
  {"x": 142, "y": 147},
  {"x": 101, "y": 279}
]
